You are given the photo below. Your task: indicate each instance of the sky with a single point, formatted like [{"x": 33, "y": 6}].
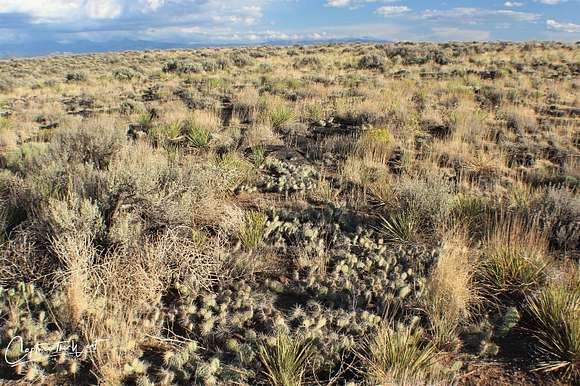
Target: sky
[{"x": 35, "y": 27}]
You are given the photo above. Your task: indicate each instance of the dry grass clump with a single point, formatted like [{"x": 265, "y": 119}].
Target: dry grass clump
[
  {"x": 246, "y": 105},
  {"x": 105, "y": 225},
  {"x": 7, "y": 135},
  {"x": 452, "y": 293},
  {"x": 520, "y": 119},
  {"x": 377, "y": 144}
]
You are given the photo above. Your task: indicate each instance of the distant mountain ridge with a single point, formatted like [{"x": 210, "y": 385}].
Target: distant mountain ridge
[{"x": 42, "y": 48}]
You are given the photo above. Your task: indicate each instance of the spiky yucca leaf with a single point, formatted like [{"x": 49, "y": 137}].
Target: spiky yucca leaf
[
  {"x": 281, "y": 115},
  {"x": 285, "y": 362},
  {"x": 510, "y": 273},
  {"x": 198, "y": 137},
  {"x": 555, "y": 313},
  {"x": 400, "y": 227}
]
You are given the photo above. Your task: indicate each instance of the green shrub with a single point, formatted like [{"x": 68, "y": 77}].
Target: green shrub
[
  {"x": 124, "y": 74},
  {"x": 76, "y": 77},
  {"x": 6, "y": 85},
  {"x": 371, "y": 62},
  {"x": 427, "y": 199},
  {"x": 241, "y": 59},
  {"x": 26, "y": 155},
  {"x": 309, "y": 60}
]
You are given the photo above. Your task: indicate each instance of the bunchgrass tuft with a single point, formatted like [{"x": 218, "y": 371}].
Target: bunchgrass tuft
[
  {"x": 258, "y": 155},
  {"x": 376, "y": 144}
]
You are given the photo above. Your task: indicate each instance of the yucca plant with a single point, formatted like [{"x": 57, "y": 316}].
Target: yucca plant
[
  {"x": 399, "y": 227},
  {"x": 285, "y": 362},
  {"x": 399, "y": 356},
  {"x": 198, "y": 136},
  {"x": 146, "y": 120},
  {"x": 555, "y": 324},
  {"x": 468, "y": 210},
  {"x": 253, "y": 230},
  {"x": 281, "y": 115},
  {"x": 513, "y": 263},
  {"x": 162, "y": 133},
  {"x": 510, "y": 273}
]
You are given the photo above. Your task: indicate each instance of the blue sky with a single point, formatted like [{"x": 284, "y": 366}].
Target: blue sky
[{"x": 29, "y": 27}]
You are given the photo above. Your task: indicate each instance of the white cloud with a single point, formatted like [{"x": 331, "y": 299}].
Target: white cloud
[
  {"x": 57, "y": 11},
  {"x": 64, "y": 10},
  {"x": 155, "y": 4},
  {"x": 513, "y": 4},
  {"x": 563, "y": 27},
  {"x": 103, "y": 9},
  {"x": 353, "y": 4},
  {"x": 475, "y": 14},
  {"x": 550, "y": 2},
  {"x": 388, "y": 10}
]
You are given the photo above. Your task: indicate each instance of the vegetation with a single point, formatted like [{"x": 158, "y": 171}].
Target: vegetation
[
  {"x": 555, "y": 314},
  {"x": 286, "y": 361},
  {"x": 308, "y": 215}
]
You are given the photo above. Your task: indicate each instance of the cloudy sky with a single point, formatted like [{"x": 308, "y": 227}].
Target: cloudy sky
[{"x": 29, "y": 27}]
